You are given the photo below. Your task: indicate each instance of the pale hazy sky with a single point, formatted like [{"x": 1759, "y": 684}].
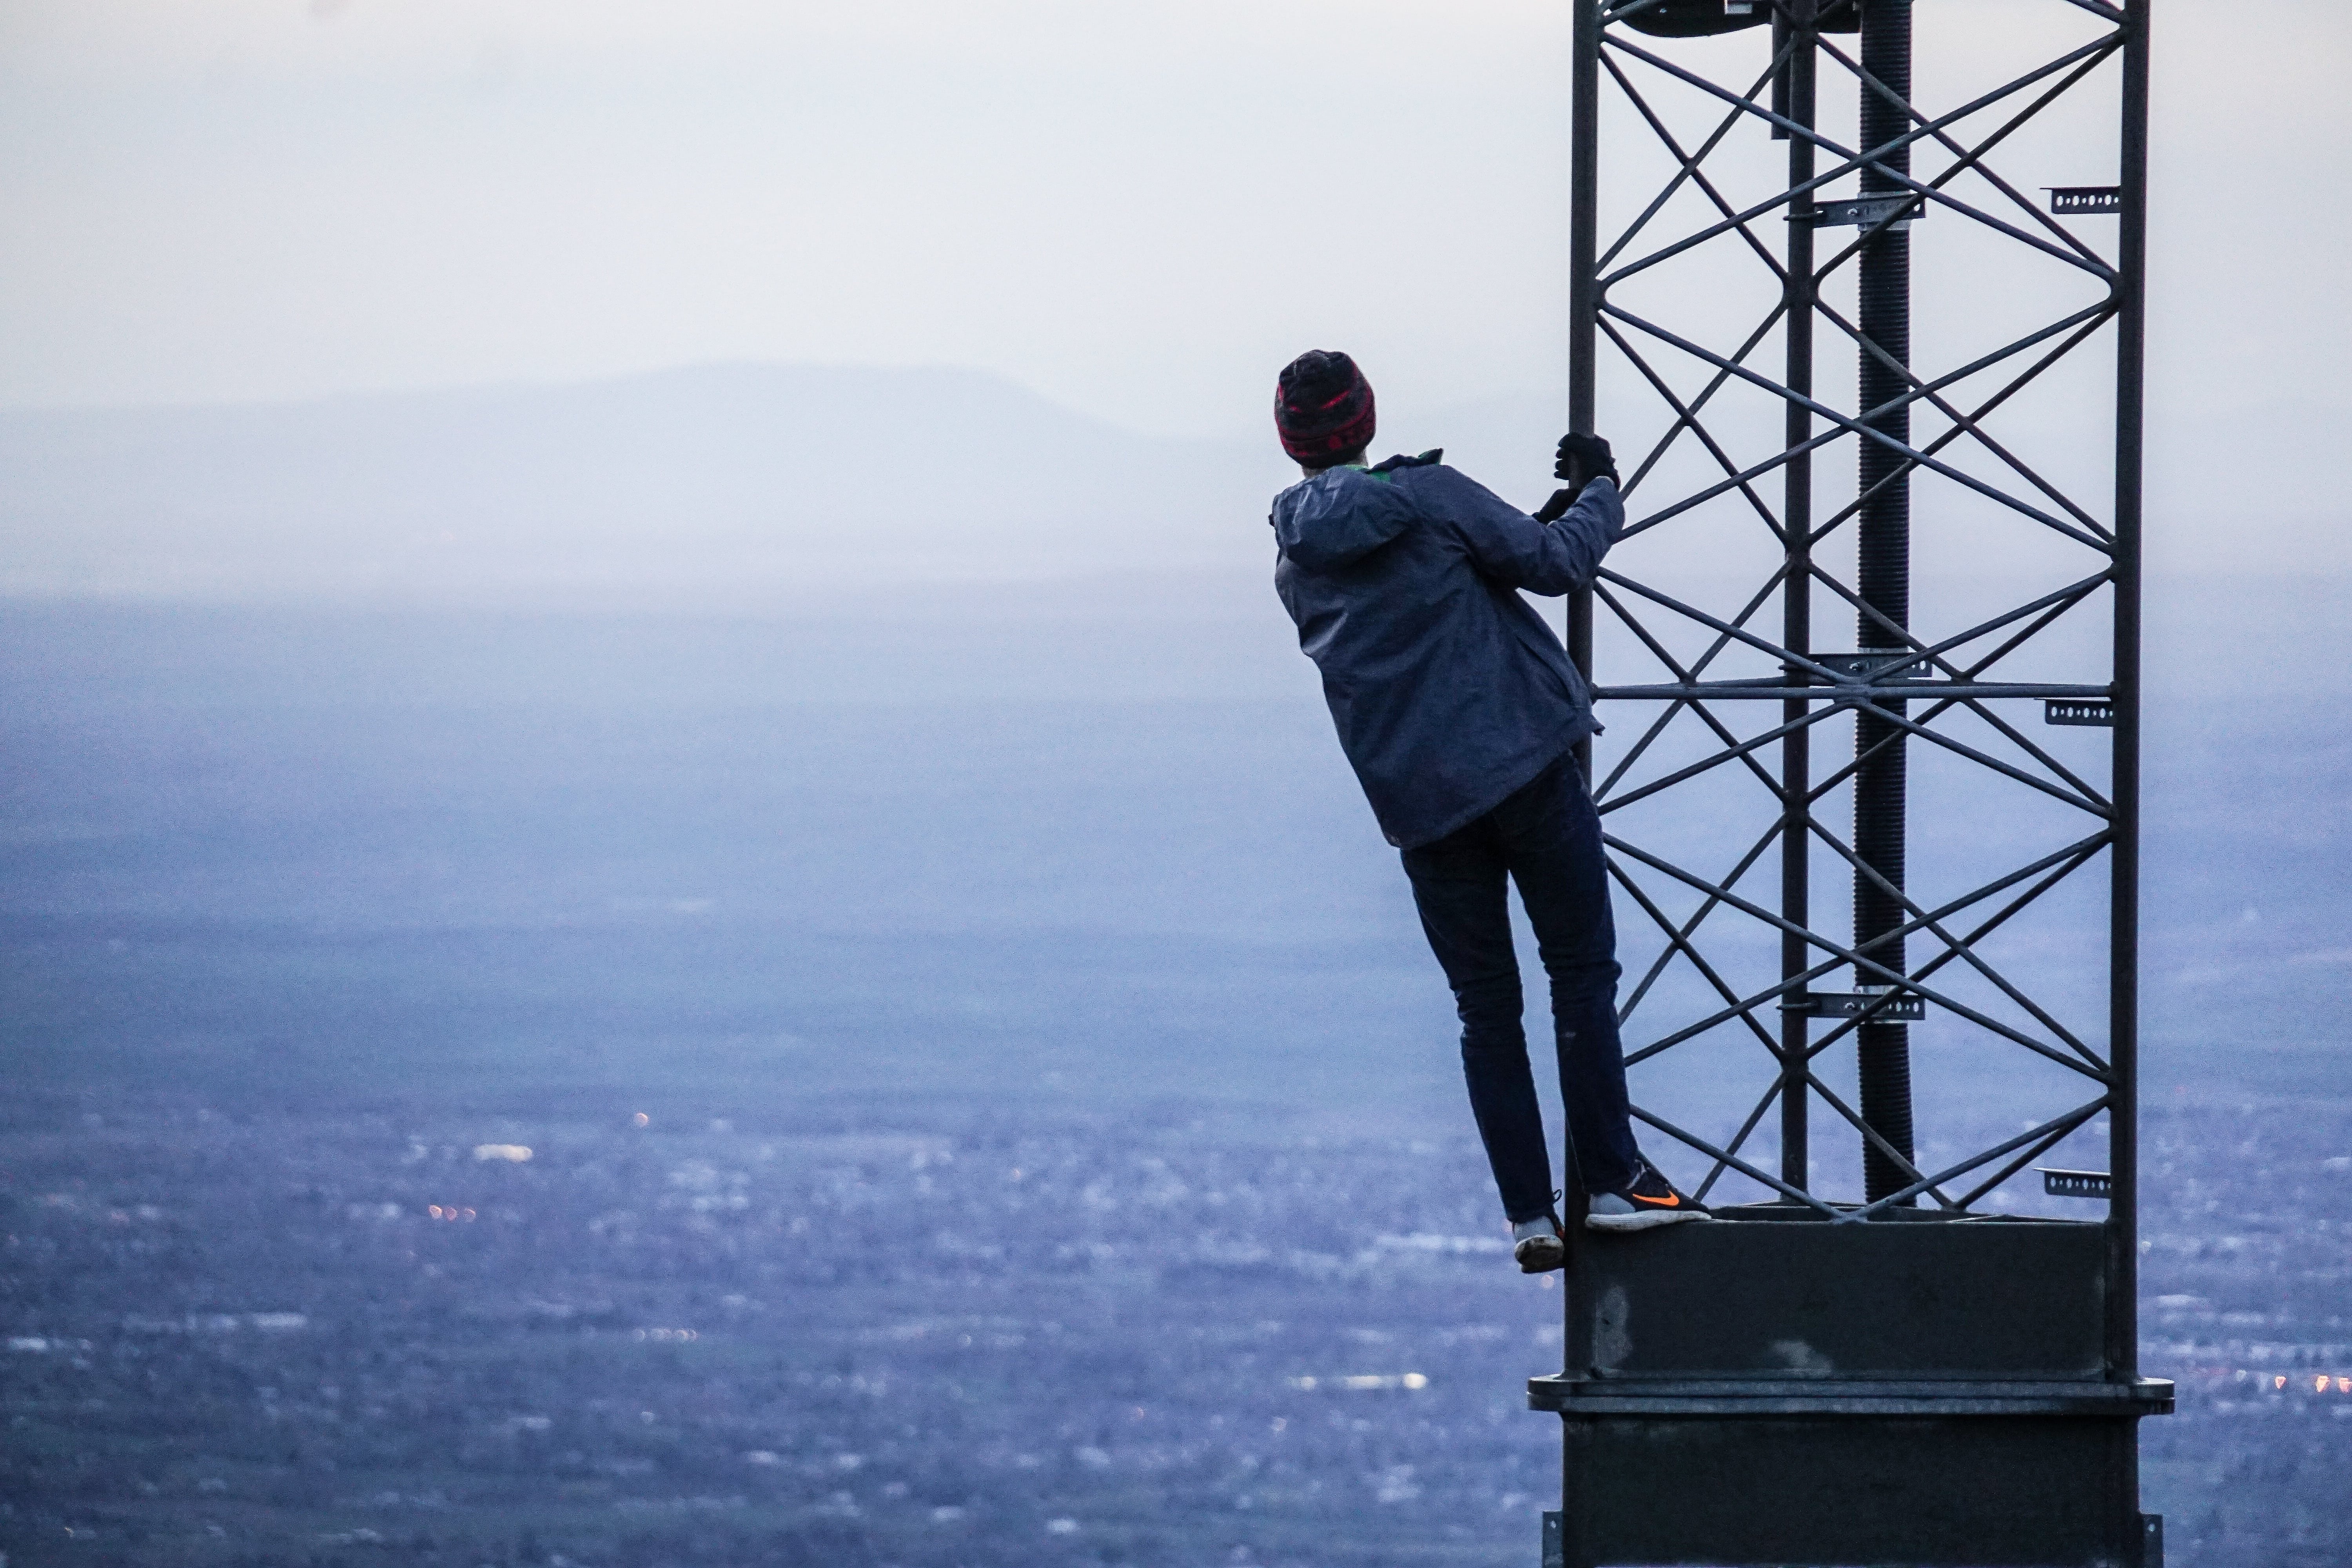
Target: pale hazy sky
[{"x": 1139, "y": 209}]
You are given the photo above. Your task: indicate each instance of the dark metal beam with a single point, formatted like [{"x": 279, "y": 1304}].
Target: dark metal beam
[
  {"x": 2123, "y": 1043},
  {"x": 1799, "y": 300}
]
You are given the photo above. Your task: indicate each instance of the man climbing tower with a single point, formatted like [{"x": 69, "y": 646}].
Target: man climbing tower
[{"x": 1459, "y": 710}]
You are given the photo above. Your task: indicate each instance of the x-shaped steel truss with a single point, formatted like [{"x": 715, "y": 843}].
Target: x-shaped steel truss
[{"x": 1955, "y": 676}]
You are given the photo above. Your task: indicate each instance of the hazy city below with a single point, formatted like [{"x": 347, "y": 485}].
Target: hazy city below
[
  {"x": 1052, "y": 1151},
  {"x": 986, "y": 1097}
]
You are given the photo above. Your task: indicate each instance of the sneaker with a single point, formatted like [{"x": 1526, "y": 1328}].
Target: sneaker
[
  {"x": 1537, "y": 1246},
  {"x": 1647, "y": 1201}
]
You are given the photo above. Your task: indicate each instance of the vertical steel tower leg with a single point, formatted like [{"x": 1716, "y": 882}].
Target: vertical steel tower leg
[
  {"x": 1583, "y": 245},
  {"x": 1796, "y": 92},
  {"x": 1884, "y": 582},
  {"x": 2123, "y": 1001}
]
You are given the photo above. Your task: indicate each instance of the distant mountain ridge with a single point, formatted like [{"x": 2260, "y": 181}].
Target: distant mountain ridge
[{"x": 717, "y": 483}]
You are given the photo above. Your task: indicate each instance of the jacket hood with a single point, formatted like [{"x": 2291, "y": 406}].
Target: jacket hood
[{"x": 1342, "y": 514}]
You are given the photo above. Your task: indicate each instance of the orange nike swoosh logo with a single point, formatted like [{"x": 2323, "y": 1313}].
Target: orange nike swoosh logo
[{"x": 1665, "y": 1202}]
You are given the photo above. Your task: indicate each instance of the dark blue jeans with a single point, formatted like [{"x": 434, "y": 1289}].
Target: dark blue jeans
[{"x": 1546, "y": 838}]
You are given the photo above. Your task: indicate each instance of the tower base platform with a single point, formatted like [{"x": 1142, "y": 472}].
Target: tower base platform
[{"x": 1915, "y": 1392}]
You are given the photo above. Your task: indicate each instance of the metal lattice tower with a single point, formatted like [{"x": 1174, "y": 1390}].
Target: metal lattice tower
[{"x": 1805, "y": 443}]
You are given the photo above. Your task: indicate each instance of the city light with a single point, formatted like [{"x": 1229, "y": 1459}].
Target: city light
[
  {"x": 2322, "y": 1383},
  {"x": 1361, "y": 1383}
]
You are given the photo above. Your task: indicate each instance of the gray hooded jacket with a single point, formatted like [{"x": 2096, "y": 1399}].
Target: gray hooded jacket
[{"x": 1449, "y": 690}]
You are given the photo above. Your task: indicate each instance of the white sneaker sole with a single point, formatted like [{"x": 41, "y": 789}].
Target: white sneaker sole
[
  {"x": 1647, "y": 1219},
  {"x": 1541, "y": 1256}
]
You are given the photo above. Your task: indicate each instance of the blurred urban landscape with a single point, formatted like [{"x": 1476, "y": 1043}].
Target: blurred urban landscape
[
  {"x": 1043, "y": 1080},
  {"x": 965, "y": 1340}
]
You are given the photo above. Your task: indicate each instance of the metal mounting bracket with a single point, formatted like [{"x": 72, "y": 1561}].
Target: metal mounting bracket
[
  {"x": 1879, "y": 1006},
  {"x": 2071, "y": 199},
  {"x": 2100, "y": 714},
  {"x": 1879, "y": 663},
  {"x": 1864, "y": 212},
  {"x": 2076, "y": 1184}
]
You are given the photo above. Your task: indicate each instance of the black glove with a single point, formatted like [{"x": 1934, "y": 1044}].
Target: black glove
[
  {"x": 1557, "y": 508},
  {"x": 1583, "y": 459}
]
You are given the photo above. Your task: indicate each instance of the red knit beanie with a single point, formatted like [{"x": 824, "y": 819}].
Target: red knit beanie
[{"x": 1322, "y": 408}]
